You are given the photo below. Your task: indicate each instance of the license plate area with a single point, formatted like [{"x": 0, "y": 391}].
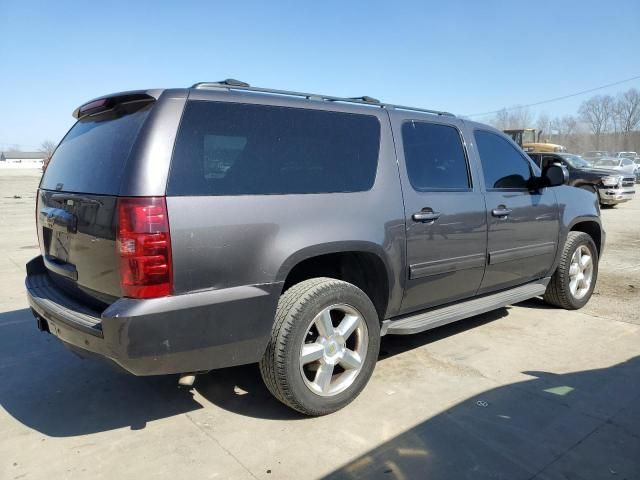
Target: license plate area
[
  {"x": 60, "y": 245},
  {"x": 57, "y": 244}
]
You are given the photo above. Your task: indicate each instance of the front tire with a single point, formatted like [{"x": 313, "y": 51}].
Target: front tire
[
  {"x": 324, "y": 346},
  {"x": 575, "y": 278}
]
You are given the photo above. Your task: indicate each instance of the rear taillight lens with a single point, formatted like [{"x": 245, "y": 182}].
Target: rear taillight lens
[{"x": 144, "y": 247}]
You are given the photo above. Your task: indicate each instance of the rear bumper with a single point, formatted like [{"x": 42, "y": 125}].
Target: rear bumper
[
  {"x": 611, "y": 196},
  {"x": 183, "y": 333}
]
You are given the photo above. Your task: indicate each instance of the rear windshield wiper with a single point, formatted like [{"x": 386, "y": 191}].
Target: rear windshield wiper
[{"x": 61, "y": 197}]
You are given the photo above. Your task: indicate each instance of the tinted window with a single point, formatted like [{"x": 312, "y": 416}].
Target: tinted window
[
  {"x": 535, "y": 158},
  {"x": 548, "y": 160},
  {"x": 237, "y": 149},
  {"x": 434, "y": 156},
  {"x": 93, "y": 155},
  {"x": 503, "y": 165}
]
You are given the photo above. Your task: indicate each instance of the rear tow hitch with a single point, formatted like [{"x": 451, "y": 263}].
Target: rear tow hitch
[{"x": 43, "y": 325}]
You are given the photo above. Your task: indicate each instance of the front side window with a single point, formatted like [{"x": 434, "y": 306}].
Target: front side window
[
  {"x": 434, "y": 156},
  {"x": 502, "y": 164},
  {"x": 242, "y": 149}
]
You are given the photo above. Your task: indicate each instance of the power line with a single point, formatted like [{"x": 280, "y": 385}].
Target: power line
[{"x": 556, "y": 99}]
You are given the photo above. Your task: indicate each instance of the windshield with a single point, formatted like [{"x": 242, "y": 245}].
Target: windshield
[
  {"x": 529, "y": 136},
  {"x": 595, "y": 154},
  {"x": 606, "y": 163},
  {"x": 576, "y": 161}
]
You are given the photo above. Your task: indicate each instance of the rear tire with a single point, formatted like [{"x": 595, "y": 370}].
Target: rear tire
[
  {"x": 324, "y": 346},
  {"x": 573, "y": 281}
]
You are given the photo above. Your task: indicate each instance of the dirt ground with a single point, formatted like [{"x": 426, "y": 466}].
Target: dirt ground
[{"x": 617, "y": 293}]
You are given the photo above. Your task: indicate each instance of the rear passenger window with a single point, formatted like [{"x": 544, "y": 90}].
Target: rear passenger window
[
  {"x": 434, "y": 157},
  {"x": 239, "y": 149},
  {"x": 502, "y": 164}
]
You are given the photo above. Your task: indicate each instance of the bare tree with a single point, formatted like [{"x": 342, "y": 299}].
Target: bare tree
[
  {"x": 596, "y": 113},
  {"x": 627, "y": 108},
  {"x": 569, "y": 125},
  {"x": 501, "y": 120},
  {"x": 516, "y": 117},
  {"x": 564, "y": 126},
  {"x": 48, "y": 147},
  {"x": 521, "y": 117},
  {"x": 565, "y": 130},
  {"x": 543, "y": 124}
]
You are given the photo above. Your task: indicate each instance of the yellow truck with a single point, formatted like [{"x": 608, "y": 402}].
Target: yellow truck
[{"x": 529, "y": 140}]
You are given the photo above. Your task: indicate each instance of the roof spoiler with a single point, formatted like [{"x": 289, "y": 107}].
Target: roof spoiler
[{"x": 107, "y": 102}]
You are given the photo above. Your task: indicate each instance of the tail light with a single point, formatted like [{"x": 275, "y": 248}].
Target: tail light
[{"x": 144, "y": 247}]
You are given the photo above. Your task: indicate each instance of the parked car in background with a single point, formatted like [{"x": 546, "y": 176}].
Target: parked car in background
[
  {"x": 631, "y": 155},
  {"x": 622, "y": 164},
  {"x": 595, "y": 154},
  {"x": 190, "y": 229},
  {"x": 609, "y": 185},
  {"x": 636, "y": 160}
]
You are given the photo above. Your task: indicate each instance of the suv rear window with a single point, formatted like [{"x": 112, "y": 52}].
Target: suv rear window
[
  {"x": 93, "y": 155},
  {"x": 239, "y": 149}
]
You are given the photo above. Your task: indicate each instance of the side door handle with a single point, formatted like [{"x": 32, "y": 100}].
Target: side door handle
[
  {"x": 501, "y": 211},
  {"x": 426, "y": 216}
]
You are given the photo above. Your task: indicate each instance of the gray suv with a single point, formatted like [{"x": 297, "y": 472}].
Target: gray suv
[{"x": 191, "y": 229}]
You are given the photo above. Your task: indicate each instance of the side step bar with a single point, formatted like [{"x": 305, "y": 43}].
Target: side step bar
[{"x": 458, "y": 311}]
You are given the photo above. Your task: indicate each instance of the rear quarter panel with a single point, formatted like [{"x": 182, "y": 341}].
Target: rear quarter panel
[{"x": 227, "y": 241}]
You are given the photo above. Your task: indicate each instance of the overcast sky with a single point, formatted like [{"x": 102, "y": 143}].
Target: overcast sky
[{"x": 465, "y": 57}]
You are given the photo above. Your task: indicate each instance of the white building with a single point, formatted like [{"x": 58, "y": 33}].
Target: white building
[{"x": 22, "y": 159}]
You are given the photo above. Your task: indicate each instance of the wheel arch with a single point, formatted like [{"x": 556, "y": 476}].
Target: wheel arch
[
  {"x": 362, "y": 263},
  {"x": 592, "y": 228}
]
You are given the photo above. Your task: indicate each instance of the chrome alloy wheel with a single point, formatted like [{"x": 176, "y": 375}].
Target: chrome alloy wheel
[
  {"x": 580, "y": 272},
  {"x": 334, "y": 349}
]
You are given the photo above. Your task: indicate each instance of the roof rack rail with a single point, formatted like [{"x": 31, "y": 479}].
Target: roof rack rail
[
  {"x": 232, "y": 84},
  {"x": 366, "y": 98},
  {"x": 229, "y": 82}
]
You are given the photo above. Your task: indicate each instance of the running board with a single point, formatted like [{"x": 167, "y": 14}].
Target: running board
[{"x": 458, "y": 311}]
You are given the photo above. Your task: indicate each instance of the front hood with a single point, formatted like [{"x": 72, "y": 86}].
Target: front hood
[{"x": 602, "y": 171}]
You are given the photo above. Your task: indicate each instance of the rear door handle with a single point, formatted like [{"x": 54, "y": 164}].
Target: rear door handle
[
  {"x": 425, "y": 216},
  {"x": 501, "y": 211}
]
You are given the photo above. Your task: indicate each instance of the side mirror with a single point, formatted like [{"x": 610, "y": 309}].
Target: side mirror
[{"x": 553, "y": 176}]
